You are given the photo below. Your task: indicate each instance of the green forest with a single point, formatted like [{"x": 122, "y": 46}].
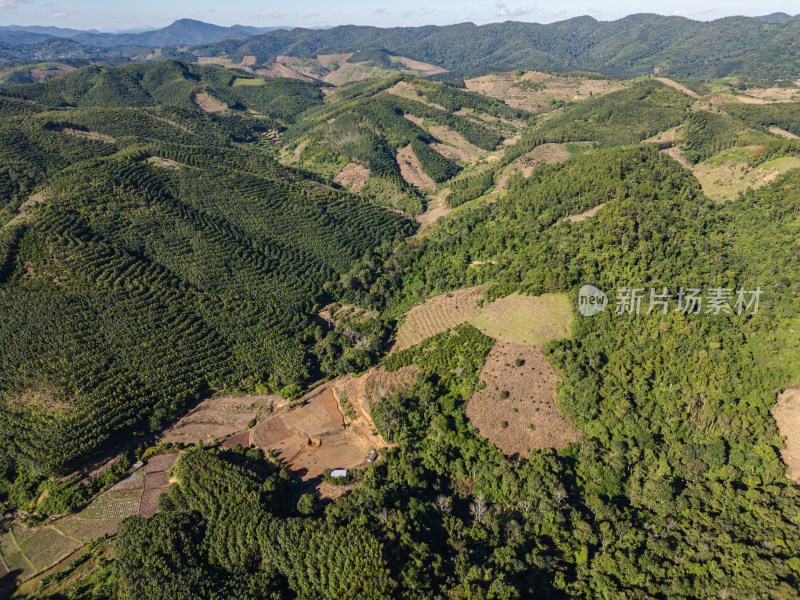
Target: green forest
[{"x": 174, "y": 254}]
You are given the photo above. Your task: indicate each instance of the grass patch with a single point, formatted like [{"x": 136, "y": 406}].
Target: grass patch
[
  {"x": 527, "y": 320},
  {"x": 247, "y": 81}
]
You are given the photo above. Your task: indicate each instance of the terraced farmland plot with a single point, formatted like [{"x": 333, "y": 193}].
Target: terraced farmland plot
[
  {"x": 437, "y": 315},
  {"x": 530, "y": 320}
]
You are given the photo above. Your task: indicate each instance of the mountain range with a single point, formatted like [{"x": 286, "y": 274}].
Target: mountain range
[{"x": 757, "y": 48}]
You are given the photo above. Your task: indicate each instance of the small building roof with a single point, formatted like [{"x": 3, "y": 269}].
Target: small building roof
[{"x": 339, "y": 473}]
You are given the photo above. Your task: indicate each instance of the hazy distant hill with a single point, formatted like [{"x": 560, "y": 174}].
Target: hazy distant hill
[
  {"x": 778, "y": 17},
  {"x": 184, "y": 32},
  {"x": 756, "y": 47},
  {"x": 634, "y": 45}
]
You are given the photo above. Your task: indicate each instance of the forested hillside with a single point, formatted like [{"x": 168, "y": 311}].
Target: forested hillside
[
  {"x": 162, "y": 264},
  {"x": 154, "y": 254},
  {"x": 750, "y": 47},
  {"x": 631, "y": 46}
]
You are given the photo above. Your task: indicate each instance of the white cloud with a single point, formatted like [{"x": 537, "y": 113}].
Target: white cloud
[
  {"x": 380, "y": 11},
  {"x": 13, "y": 3},
  {"x": 501, "y": 10},
  {"x": 694, "y": 13},
  {"x": 59, "y": 14}
]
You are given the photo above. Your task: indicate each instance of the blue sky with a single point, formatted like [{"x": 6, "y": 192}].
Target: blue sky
[{"x": 123, "y": 14}]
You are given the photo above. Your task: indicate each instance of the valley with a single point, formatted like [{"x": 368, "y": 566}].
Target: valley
[{"x": 237, "y": 267}]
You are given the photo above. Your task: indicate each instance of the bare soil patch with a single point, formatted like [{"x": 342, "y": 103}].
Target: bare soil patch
[
  {"x": 517, "y": 410},
  {"x": 536, "y": 91},
  {"x": 665, "y": 136},
  {"x": 541, "y": 155},
  {"x": 164, "y": 163},
  {"x": 675, "y": 153},
  {"x": 729, "y": 172},
  {"x": 783, "y": 133},
  {"x": 773, "y": 95},
  {"x": 220, "y": 417},
  {"x": 279, "y": 70},
  {"x": 411, "y": 169},
  {"x": 207, "y": 103},
  {"x": 582, "y": 216},
  {"x": 316, "y": 435},
  {"x": 451, "y": 138},
  {"x": 32, "y": 201},
  {"x": 89, "y": 135},
  {"x": 353, "y": 177},
  {"x": 786, "y": 413},
  {"x": 451, "y": 152},
  {"x": 437, "y": 208},
  {"x": 416, "y": 65},
  {"x": 677, "y": 86}
]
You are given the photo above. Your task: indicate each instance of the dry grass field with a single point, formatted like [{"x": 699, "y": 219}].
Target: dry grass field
[
  {"x": 727, "y": 173},
  {"x": 219, "y": 417},
  {"x": 536, "y": 91},
  {"x": 786, "y": 413},
  {"x": 530, "y": 320},
  {"x": 517, "y": 409}
]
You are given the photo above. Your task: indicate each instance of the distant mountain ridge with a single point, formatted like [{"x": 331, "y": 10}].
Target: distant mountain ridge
[
  {"x": 183, "y": 32},
  {"x": 635, "y": 45},
  {"x": 778, "y": 17},
  {"x": 759, "y": 48}
]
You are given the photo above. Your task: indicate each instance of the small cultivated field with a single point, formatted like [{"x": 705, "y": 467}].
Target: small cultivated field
[
  {"x": 376, "y": 384},
  {"x": 33, "y": 551},
  {"x": 531, "y": 320},
  {"x": 316, "y": 435},
  {"x": 219, "y": 417},
  {"x": 438, "y": 314},
  {"x": 786, "y": 413},
  {"x": 517, "y": 409},
  {"x": 727, "y": 173}
]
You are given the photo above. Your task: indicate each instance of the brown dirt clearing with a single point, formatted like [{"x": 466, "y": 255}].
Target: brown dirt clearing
[
  {"x": 219, "y": 417},
  {"x": 582, "y": 216},
  {"x": 315, "y": 435},
  {"x": 411, "y": 170},
  {"x": 529, "y": 417},
  {"x": 89, "y": 135},
  {"x": 353, "y": 177},
  {"x": 786, "y": 413},
  {"x": 207, "y": 103},
  {"x": 783, "y": 133}
]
